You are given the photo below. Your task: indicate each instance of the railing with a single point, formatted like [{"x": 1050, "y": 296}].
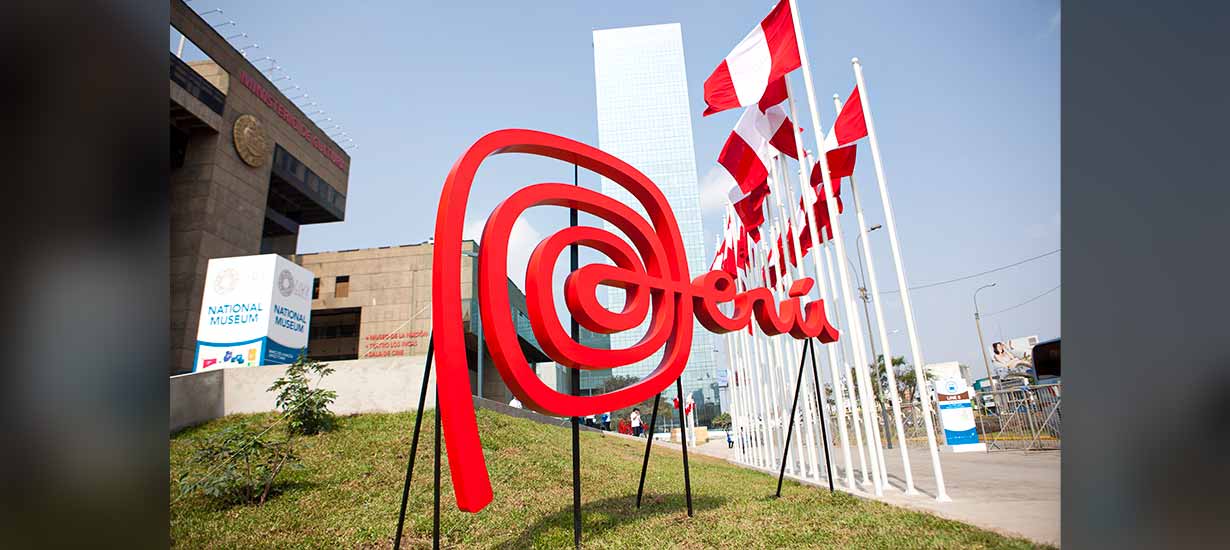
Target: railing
[
  {"x": 1026, "y": 418},
  {"x": 1023, "y": 418}
]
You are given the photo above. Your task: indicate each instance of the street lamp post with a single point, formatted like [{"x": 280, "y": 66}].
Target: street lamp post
[
  {"x": 862, "y": 292},
  {"x": 978, "y": 323}
]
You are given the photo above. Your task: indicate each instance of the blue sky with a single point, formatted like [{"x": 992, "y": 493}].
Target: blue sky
[{"x": 965, "y": 98}]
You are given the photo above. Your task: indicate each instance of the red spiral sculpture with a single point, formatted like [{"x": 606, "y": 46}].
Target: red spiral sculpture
[{"x": 652, "y": 271}]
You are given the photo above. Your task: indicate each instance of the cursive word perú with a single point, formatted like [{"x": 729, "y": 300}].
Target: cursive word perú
[{"x": 650, "y": 266}]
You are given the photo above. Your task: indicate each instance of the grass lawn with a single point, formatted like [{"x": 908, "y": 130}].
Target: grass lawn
[{"x": 348, "y": 494}]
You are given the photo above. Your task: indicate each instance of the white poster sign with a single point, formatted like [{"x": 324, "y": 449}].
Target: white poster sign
[
  {"x": 255, "y": 310},
  {"x": 953, "y": 395}
]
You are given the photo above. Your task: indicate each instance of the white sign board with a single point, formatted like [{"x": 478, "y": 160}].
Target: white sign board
[
  {"x": 255, "y": 311},
  {"x": 945, "y": 370},
  {"x": 952, "y": 395}
]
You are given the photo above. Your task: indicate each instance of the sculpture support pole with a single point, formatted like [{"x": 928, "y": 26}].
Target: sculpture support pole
[
  {"x": 435, "y": 516},
  {"x": 815, "y": 375},
  {"x": 575, "y": 379},
  {"x": 683, "y": 439},
  {"x": 653, "y": 422},
  {"x": 414, "y": 443},
  {"x": 798, "y": 384}
]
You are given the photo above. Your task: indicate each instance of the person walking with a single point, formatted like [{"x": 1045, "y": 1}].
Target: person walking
[
  {"x": 635, "y": 417},
  {"x": 606, "y": 421}
]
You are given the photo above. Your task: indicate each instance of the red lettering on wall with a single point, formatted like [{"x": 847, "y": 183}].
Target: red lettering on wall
[{"x": 285, "y": 114}]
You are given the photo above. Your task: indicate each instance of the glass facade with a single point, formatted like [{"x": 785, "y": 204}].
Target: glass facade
[{"x": 644, "y": 118}]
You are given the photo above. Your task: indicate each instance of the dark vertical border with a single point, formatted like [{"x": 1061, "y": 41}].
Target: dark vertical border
[
  {"x": 86, "y": 320},
  {"x": 1146, "y": 204}
]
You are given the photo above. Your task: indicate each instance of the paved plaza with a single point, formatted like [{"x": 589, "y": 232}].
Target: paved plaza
[{"x": 1010, "y": 492}]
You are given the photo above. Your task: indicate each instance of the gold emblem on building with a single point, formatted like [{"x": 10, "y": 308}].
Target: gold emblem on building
[{"x": 251, "y": 142}]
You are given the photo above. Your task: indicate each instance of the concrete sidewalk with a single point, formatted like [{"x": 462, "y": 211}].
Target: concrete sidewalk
[{"x": 1009, "y": 492}]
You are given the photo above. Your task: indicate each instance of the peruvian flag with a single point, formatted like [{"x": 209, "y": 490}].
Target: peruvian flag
[
  {"x": 781, "y": 132},
  {"x": 841, "y": 165},
  {"x": 774, "y": 94},
  {"x": 746, "y": 155},
  {"x": 775, "y": 262},
  {"x": 766, "y": 54},
  {"x": 821, "y": 212},
  {"x": 741, "y": 246},
  {"x": 788, "y": 240},
  {"x": 750, "y": 210},
  {"x": 726, "y": 257},
  {"x": 850, "y": 125}
]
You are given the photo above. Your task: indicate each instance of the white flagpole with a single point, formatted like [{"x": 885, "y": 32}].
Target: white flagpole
[
  {"x": 845, "y": 367},
  {"x": 800, "y": 271},
  {"x": 843, "y": 270},
  {"x": 891, "y": 225},
  {"x": 747, "y": 399},
  {"x": 809, "y": 198},
  {"x": 884, "y": 345},
  {"x": 763, "y": 373},
  {"x": 774, "y": 363},
  {"x": 732, "y": 370},
  {"x": 789, "y": 353},
  {"x": 736, "y": 408},
  {"x": 752, "y": 412},
  {"x": 808, "y": 415}
]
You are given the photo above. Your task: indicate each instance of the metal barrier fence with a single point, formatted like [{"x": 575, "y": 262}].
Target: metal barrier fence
[{"x": 1024, "y": 418}]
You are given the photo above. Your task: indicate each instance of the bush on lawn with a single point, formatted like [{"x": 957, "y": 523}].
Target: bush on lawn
[
  {"x": 306, "y": 408},
  {"x": 237, "y": 465}
]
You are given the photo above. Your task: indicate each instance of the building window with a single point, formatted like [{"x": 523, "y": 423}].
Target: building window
[
  {"x": 316, "y": 288},
  {"x": 342, "y": 289}
]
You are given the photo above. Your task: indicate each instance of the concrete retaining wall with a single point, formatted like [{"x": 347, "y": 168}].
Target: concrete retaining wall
[{"x": 389, "y": 384}]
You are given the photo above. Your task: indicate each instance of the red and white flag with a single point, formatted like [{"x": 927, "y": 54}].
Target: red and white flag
[
  {"x": 750, "y": 211},
  {"x": 850, "y": 125},
  {"x": 746, "y": 154},
  {"x": 781, "y": 132},
  {"x": 823, "y": 230},
  {"x": 725, "y": 259},
  {"x": 763, "y": 56},
  {"x": 841, "y": 165}
]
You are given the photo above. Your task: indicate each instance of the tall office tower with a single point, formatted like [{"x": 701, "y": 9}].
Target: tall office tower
[{"x": 644, "y": 118}]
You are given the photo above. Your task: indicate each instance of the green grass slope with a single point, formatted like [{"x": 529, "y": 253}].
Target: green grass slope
[{"x": 348, "y": 494}]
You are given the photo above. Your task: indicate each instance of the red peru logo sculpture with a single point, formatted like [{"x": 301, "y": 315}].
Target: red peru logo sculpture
[{"x": 653, "y": 272}]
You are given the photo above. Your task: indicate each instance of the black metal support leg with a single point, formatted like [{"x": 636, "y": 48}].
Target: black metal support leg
[
  {"x": 576, "y": 481},
  {"x": 575, "y": 379},
  {"x": 435, "y": 517},
  {"x": 683, "y": 438},
  {"x": 653, "y": 421},
  {"x": 790, "y": 428},
  {"x": 824, "y": 433},
  {"x": 414, "y": 443}
]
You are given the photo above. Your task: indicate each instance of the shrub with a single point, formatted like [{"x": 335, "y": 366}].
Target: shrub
[
  {"x": 237, "y": 465},
  {"x": 721, "y": 421},
  {"x": 306, "y": 408}
]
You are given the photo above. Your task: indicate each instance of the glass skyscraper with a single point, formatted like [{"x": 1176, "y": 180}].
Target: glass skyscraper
[{"x": 644, "y": 118}]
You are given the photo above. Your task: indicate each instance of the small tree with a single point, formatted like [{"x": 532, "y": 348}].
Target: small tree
[
  {"x": 721, "y": 421},
  {"x": 237, "y": 466},
  {"x": 306, "y": 408}
]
